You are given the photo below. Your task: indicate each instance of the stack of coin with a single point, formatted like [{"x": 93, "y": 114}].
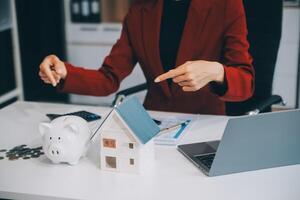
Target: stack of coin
[
  {"x": 1, "y": 152},
  {"x": 22, "y": 151}
]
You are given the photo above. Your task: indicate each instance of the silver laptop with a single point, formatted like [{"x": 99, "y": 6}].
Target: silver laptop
[{"x": 250, "y": 143}]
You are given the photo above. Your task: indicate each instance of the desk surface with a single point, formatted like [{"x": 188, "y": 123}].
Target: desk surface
[{"x": 173, "y": 177}]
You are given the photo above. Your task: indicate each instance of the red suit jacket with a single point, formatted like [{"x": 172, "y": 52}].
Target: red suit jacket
[{"x": 215, "y": 30}]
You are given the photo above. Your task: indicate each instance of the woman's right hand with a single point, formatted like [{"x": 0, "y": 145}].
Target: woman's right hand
[{"x": 52, "y": 70}]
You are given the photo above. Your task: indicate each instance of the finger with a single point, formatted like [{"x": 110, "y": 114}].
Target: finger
[
  {"x": 188, "y": 89},
  {"x": 46, "y": 81},
  {"x": 182, "y": 78},
  {"x": 42, "y": 75},
  {"x": 195, "y": 87},
  {"x": 180, "y": 70},
  {"x": 57, "y": 66},
  {"x": 170, "y": 74},
  {"x": 185, "y": 83},
  {"x": 56, "y": 76},
  {"x": 45, "y": 68}
]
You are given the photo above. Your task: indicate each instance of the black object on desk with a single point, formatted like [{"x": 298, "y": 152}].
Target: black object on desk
[{"x": 88, "y": 116}]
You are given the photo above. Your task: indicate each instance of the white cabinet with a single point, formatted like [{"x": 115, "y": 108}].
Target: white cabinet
[
  {"x": 285, "y": 77},
  {"x": 87, "y": 46}
]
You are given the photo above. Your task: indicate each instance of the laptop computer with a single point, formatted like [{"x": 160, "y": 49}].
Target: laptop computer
[{"x": 250, "y": 143}]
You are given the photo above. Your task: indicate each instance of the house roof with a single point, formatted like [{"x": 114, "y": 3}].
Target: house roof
[{"x": 138, "y": 120}]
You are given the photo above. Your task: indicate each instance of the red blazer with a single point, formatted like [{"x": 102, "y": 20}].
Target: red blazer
[{"x": 215, "y": 30}]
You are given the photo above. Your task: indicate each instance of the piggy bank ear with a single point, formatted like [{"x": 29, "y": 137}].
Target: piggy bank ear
[
  {"x": 72, "y": 127},
  {"x": 43, "y": 127}
]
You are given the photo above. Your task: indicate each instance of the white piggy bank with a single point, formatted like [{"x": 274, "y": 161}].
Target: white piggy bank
[{"x": 65, "y": 139}]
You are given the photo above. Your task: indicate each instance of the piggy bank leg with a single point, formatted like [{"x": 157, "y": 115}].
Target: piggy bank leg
[
  {"x": 55, "y": 162},
  {"x": 74, "y": 162}
]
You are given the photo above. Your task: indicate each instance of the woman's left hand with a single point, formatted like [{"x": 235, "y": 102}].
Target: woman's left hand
[{"x": 193, "y": 75}]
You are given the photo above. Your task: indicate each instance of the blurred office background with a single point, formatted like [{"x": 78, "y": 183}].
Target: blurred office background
[{"x": 82, "y": 32}]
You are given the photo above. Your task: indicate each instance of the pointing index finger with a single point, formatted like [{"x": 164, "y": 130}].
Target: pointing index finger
[{"x": 171, "y": 74}]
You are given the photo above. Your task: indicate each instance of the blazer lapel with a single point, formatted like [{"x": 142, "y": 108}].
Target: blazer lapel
[
  {"x": 195, "y": 23},
  {"x": 151, "y": 21}
]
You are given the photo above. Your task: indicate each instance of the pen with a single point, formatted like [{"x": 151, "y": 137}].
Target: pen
[{"x": 174, "y": 127}]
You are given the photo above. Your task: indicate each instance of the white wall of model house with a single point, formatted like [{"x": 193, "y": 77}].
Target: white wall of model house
[{"x": 120, "y": 150}]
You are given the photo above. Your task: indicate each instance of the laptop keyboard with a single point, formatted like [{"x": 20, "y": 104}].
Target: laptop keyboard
[{"x": 206, "y": 160}]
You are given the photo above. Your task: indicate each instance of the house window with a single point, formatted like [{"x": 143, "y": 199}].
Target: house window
[
  {"x": 109, "y": 143},
  {"x": 111, "y": 162},
  {"x": 131, "y": 161},
  {"x": 130, "y": 145}
]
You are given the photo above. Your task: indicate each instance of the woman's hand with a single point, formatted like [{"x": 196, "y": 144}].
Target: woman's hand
[
  {"x": 52, "y": 70},
  {"x": 193, "y": 75}
]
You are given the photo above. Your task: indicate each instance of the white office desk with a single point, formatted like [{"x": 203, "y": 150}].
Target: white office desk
[{"x": 173, "y": 177}]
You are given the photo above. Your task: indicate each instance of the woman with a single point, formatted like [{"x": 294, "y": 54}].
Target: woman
[{"x": 194, "y": 54}]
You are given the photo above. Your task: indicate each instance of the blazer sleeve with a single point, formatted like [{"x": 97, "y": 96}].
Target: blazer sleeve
[
  {"x": 237, "y": 62},
  {"x": 106, "y": 80}
]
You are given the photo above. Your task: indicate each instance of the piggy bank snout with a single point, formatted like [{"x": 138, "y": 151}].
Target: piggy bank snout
[{"x": 55, "y": 151}]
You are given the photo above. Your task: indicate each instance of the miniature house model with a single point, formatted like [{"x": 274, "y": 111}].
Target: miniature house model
[{"x": 126, "y": 138}]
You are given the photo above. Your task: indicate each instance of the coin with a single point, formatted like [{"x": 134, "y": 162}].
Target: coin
[
  {"x": 13, "y": 158},
  {"x": 17, "y": 147},
  {"x": 23, "y": 151}
]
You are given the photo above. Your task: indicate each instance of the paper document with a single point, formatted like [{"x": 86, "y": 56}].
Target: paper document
[{"x": 173, "y": 136}]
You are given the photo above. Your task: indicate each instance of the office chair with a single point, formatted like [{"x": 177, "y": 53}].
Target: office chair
[
  {"x": 264, "y": 20},
  {"x": 264, "y": 33}
]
